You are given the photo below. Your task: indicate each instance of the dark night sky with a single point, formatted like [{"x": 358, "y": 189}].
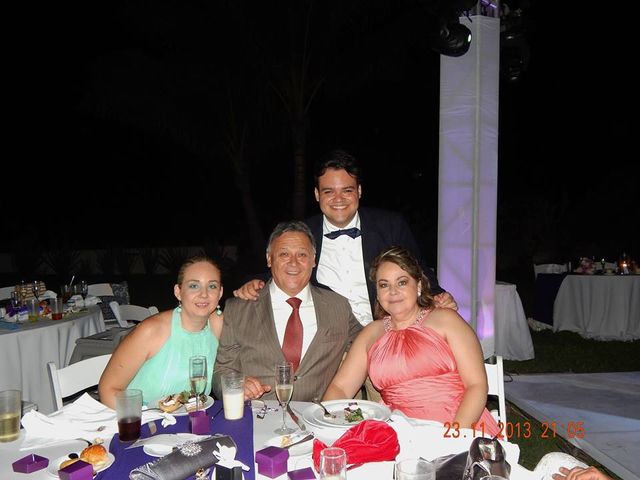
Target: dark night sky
[{"x": 123, "y": 87}]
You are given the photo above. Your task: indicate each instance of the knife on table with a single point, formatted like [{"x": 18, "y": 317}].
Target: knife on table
[{"x": 295, "y": 418}]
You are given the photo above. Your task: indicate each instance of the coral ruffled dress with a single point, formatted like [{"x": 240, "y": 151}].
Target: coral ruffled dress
[{"x": 415, "y": 371}]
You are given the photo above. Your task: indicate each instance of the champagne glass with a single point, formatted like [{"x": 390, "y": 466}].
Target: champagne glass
[
  {"x": 198, "y": 376},
  {"x": 284, "y": 390},
  {"x": 35, "y": 288}
]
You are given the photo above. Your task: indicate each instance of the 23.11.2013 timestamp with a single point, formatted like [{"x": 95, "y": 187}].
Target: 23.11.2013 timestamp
[{"x": 547, "y": 430}]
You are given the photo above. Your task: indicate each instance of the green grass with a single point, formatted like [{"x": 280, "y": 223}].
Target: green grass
[{"x": 565, "y": 352}]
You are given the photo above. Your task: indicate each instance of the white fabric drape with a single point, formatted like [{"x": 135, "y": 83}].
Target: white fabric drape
[{"x": 468, "y": 176}]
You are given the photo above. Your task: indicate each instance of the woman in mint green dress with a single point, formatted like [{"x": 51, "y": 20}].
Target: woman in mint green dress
[{"x": 154, "y": 357}]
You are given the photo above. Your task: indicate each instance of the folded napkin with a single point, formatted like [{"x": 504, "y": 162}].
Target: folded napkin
[
  {"x": 164, "y": 443},
  {"x": 189, "y": 458},
  {"x": 91, "y": 300},
  {"x": 47, "y": 295},
  {"x": 85, "y": 418},
  {"x": 368, "y": 441}
]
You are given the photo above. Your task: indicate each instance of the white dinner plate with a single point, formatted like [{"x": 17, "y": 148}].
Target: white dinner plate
[
  {"x": 54, "y": 465},
  {"x": 314, "y": 414},
  {"x": 182, "y": 411},
  {"x": 303, "y": 448},
  {"x": 163, "y": 444}
]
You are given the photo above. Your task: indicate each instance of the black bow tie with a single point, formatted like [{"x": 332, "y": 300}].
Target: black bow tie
[{"x": 352, "y": 232}]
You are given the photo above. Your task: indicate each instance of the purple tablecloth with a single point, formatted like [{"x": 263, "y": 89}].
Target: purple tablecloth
[{"x": 240, "y": 430}]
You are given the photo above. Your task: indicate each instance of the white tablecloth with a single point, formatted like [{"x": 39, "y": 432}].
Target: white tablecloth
[
  {"x": 599, "y": 306},
  {"x": 24, "y": 353},
  {"x": 427, "y": 440},
  {"x": 512, "y": 335}
]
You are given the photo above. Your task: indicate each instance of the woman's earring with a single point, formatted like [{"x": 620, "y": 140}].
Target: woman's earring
[
  {"x": 179, "y": 306},
  {"x": 218, "y": 310}
]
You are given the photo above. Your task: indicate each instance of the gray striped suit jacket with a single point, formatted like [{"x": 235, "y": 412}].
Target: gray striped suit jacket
[{"x": 249, "y": 342}]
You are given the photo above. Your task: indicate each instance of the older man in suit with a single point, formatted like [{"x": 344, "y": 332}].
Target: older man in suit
[{"x": 291, "y": 319}]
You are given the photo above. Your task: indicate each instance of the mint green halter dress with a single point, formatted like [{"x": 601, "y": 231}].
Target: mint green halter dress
[{"x": 167, "y": 371}]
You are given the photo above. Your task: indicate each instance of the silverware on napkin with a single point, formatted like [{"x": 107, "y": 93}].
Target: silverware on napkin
[{"x": 297, "y": 442}]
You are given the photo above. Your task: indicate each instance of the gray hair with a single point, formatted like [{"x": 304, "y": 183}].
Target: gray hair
[{"x": 291, "y": 226}]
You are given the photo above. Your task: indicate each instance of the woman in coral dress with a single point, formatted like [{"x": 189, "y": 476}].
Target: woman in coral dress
[{"x": 425, "y": 361}]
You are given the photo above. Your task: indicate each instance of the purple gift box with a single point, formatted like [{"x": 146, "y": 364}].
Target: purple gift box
[
  {"x": 30, "y": 463},
  {"x": 302, "y": 474},
  {"x": 272, "y": 461},
  {"x": 199, "y": 422},
  {"x": 76, "y": 471}
]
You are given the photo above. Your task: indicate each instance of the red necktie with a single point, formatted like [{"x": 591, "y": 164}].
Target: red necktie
[{"x": 292, "y": 343}]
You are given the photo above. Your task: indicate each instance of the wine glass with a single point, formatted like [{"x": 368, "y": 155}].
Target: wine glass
[
  {"x": 198, "y": 376},
  {"x": 284, "y": 390},
  {"x": 84, "y": 289},
  {"x": 35, "y": 288}
]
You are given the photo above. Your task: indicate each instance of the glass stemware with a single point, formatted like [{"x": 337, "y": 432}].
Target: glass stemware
[
  {"x": 198, "y": 376},
  {"x": 35, "y": 288},
  {"x": 84, "y": 289},
  {"x": 284, "y": 390}
]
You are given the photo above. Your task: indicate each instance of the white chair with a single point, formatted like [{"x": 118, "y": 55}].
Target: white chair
[
  {"x": 100, "y": 289},
  {"x": 76, "y": 377},
  {"x": 5, "y": 292},
  {"x": 548, "y": 268},
  {"x": 130, "y": 315},
  {"x": 495, "y": 379}
]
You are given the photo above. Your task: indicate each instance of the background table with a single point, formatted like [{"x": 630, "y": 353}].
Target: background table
[
  {"x": 605, "y": 307},
  {"x": 24, "y": 353}
]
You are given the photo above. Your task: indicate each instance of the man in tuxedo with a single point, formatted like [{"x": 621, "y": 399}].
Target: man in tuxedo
[
  {"x": 348, "y": 237},
  {"x": 291, "y": 319}
]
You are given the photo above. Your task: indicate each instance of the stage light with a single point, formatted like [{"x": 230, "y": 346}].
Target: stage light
[{"x": 453, "y": 39}]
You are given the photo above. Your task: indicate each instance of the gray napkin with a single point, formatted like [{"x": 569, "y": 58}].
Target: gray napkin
[{"x": 187, "y": 460}]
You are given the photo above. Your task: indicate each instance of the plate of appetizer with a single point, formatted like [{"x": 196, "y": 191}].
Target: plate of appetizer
[
  {"x": 96, "y": 455},
  {"x": 345, "y": 413},
  {"x": 181, "y": 403}
]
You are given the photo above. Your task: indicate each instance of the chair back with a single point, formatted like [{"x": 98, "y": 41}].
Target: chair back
[
  {"x": 548, "y": 268},
  {"x": 5, "y": 292},
  {"x": 495, "y": 379},
  {"x": 130, "y": 315},
  {"x": 75, "y": 377},
  {"x": 100, "y": 289}
]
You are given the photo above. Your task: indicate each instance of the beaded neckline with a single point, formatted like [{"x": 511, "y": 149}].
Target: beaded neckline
[{"x": 387, "y": 320}]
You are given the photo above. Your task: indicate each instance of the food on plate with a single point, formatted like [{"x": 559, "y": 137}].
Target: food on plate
[
  {"x": 95, "y": 454},
  {"x": 285, "y": 440},
  {"x": 190, "y": 403},
  {"x": 68, "y": 462},
  {"x": 171, "y": 403},
  {"x": 353, "y": 413}
]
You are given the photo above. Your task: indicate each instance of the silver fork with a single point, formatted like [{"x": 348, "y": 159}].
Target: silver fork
[{"x": 327, "y": 413}]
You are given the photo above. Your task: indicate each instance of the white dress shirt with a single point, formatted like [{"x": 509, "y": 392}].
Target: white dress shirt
[
  {"x": 341, "y": 268},
  {"x": 282, "y": 311}
]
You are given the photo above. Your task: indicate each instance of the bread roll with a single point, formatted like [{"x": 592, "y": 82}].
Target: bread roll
[
  {"x": 96, "y": 455},
  {"x": 67, "y": 462}
]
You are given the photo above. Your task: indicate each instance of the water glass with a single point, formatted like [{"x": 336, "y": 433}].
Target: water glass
[
  {"x": 333, "y": 464},
  {"x": 34, "y": 309},
  {"x": 233, "y": 395},
  {"x": 57, "y": 308},
  {"x": 415, "y": 469},
  {"x": 129, "y": 413},
  {"x": 10, "y": 410}
]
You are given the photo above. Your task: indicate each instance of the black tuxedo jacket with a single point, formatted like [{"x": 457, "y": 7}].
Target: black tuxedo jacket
[{"x": 380, "y": 229}]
